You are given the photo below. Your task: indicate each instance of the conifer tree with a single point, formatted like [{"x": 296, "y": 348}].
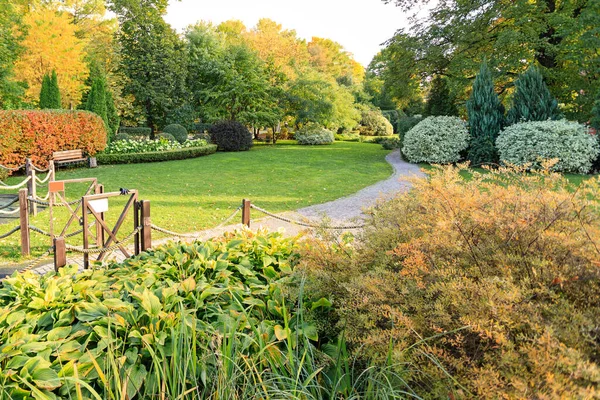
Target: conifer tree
[
  {"x": 486, "y": 118},
  {"x": 49, "y": 93},
  {"x": 439, "y": 101},
  {"x": 44, "y": 92},
  {"x": 532, "y": 100},
  {"x": 96, "y": 101},
  {"x": 595, "y": 121}
]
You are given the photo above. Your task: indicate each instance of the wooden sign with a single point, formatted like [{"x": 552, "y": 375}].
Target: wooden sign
[{"x": 56, "y": 186}]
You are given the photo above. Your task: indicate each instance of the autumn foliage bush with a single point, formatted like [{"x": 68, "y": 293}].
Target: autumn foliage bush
[
  {"x": 37, "y": 134},
  {"x": 487, "y": 288}
]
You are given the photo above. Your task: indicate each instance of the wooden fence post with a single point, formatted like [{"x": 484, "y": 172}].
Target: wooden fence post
[
  {"x": 51, "y": 170},
  {"x": 99, "y": 231},
  {"x": 246, "y": 212},
  {"x": 31, "y": 185},
  {"x": 146, "y": 236},
  {"x": 24, "y": 220},
  {"x": 60, "y": 253}
]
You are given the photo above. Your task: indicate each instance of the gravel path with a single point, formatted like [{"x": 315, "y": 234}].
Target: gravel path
[{"x": 350, "y": 207}]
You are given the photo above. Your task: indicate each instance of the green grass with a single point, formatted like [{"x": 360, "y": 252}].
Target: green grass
[{"x": 197, "y": 194}]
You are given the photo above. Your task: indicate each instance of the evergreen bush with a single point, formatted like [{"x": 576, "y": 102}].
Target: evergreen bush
[
  {"x": 438, "y": 140},
  {"x": 178, "y": 131},
  {"x": 439, "y": 100},
  {"x": 486, "y": 118},
  {"x": 230, "y": 136},
  {"x": 532, "y": 100},
  {"x": 534, "y": 142},
  {"x": 313, "y": 134},
  {"x": 50, "y": 93}
]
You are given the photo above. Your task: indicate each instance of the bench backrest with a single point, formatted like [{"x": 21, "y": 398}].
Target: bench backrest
[{"x": 67, "y": 155}]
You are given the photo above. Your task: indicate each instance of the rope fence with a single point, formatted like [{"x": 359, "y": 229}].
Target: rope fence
[
  {"x": 45, "y": 203},
  {"x": 191, "y": 235},
  {"x": 100, "y": 250},
  {"x": 4, "y": 186},
  {"x": 13, "y": 212},
  {"x": 16, "y": 200},
  {"x": 14, "y": 169},
  {"x": 13, "y": 230},
  {"x": 305, "y": 224}
]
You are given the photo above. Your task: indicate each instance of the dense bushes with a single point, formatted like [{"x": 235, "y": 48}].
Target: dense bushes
[
  {"x": 37, "y": 134},
  {"x": 313, "y": 134},
  {"x": 436, "y": 140},
  {"x": 152, "y": 156},
  {"x": 178, "y": 131},
  {"x": 533, "y": 142},
  {"x": 135, "y": 130},
  {"x": 373, "y": 123},
  {"x": 230, "y": 136},
  {"x": 390, "y": 143},
  {"x": 497, "y": 277}
]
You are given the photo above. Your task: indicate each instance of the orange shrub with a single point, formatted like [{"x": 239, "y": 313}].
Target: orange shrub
[{"x": 37, "y": 134}]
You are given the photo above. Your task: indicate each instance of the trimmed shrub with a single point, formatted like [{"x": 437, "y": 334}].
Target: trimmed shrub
[
  {"x": 121, "y": 137},
  {"x": 230, "y": 136},
  {"x": 313, "y": 134},
  {"x": 390, "y": 143},
  {"x": 347, "y": 137},
  {"x": 373, "y": 123},
  {"x": 153, "y": 156},
  {"x": 135, "y": 130},
  {"x": 167, "y": 136},
  {"x": 437, "y": 140},
  {"x": 36, "y": 134},
  {"x": 534, "y": 142},
  {"x": 177, "y": 131}
]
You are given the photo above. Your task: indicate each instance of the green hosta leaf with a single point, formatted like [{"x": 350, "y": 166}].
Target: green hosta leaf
[
  {"x": 136, "y": 376},
  {"x": 244, "y": 270},
  {"x": 310, "y": 331},
  {"x": 268, "y": 260},
  {"x": 322, "y": 302},
  {"x": 59, "y": 333},
  {"x": 270, "y": 272},
  {"x": 87, "y": 312},
  {"x": 150, "y": 303},
  {"x": 46, "y": 378},
  {"x": 211, "y": 291}
]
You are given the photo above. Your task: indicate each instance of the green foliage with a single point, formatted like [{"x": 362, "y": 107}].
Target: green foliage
[
  {"x": 390, "y": 143},
  {"x": 436, "y": 140},
  {"x": 167, "y": 136},
  {"x": 153, "y": 156},
  {"x": 595, "y": 120},
  {"x": 405, "y": 124},
  {"x": 347, "y": 137},
  {"x": 121, "y": 136},
  {"x": 486, "y": 118},
  {"x": 531, "y": 143},
  {"x": 439, "y": 100},
  {"x": 179, "y": 132},
  {"x": 494, "y": 280},
  {"x": 96, "y": 101},
  {"x": 50, "y": 94},
  {"x": 230, "y": 136},
  {"x": 373, "y": 123},
  {"x": 393, "y": 116},
  {"x": 144, "y": 146},
  {"x": 112, "y": 114},
  {"x": 532, "y": 100},
  {"x": 313, "y": 134},
  {"x": 136, "y": 130},
  {"x": 11, "y": 29}
]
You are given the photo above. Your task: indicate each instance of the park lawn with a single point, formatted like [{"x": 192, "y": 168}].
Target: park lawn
[{"x": 197, "y": 194}]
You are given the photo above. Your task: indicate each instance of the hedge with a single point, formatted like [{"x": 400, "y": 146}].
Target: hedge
[
  {"x": 153, "y": 156},
  {"x": 36, "y": 134},
  {"x": 135, "y": 130}
]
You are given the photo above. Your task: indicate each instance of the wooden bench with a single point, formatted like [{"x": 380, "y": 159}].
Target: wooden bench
[{"x": 68, "y": 156}]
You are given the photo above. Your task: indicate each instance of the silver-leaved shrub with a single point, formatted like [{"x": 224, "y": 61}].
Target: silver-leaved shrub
[
  {"x": 438, "y": 140},
  {"x": 312, "y": 134},
  {"x": 570, "y": 143}
]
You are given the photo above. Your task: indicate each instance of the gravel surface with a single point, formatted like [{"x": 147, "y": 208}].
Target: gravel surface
[{"x": 350, "y": 207}]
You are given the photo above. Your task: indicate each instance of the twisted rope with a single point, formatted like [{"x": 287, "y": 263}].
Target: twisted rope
[
  {"x": 46, "y": 197},
  {"x": 6, "y": 187},
  {"x": 291, "y": 221},
  {"x": 13, "y": 230},
  {"x": 45, "y": 203},
  {"x": 190, "y": 235},
  {"x": 39, "y": 169},
  {"x": 9, "y": 204},
  {"x": 37, "y": 260},
  {"x": 15, "y": 211},
  {"x": 46, "y": 179},
  {"x": 38, "y": 230},
  {"x": 104, "y": 249},
  {"x": 12, "y": 169},
  {"x": 230, "y": 217}
]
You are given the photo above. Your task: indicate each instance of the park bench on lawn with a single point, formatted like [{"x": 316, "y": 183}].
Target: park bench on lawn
[{"x": 68, "y": 157}]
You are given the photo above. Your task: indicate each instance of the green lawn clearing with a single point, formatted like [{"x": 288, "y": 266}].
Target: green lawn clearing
[{"x": 196, "y": 194}]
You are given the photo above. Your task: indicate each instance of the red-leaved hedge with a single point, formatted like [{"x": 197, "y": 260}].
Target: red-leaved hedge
[{"x": 36, "y": 134}]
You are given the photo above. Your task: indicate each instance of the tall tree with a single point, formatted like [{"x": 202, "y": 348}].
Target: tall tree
[
  {"x": 486, "y": 118},
  {"x": 153, "y": 59},
  {"x": 595, "y": 120},
  {"x": 96, "y": 101},
  {"x": 532, "y": 100},
  {"x": 439, "y": 100},
  {"x": 51, "y": 44},
  {"x": 11, "y": 33},
  {"x": 50, "y": 92}
]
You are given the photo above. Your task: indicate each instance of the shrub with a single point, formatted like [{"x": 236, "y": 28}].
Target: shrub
[
  {"x": 144, "y": 146},
  {"x": 313, "y": 134},
  {"x": 230, "y": 136},
  {"x": 201, "y": 127},
  {"x": 405, "y": 124},
  {"x": 347, "y": 137},
  {"x": 439, "y": 99},
  {"x": 121, "y": 137},
  {"x": 167, "y": 136},
  {"x": 177, "y": 131},
  {"x": 373, "y": 123},
  {"x": 532, "y": 142},
  {"x": 136, "y": 130},
  {"x": 497, "y": 277},
  {"x": 393, "y": 116},
  {"x": 532, "y": 101},
  {"x": 390, "y": 143},
  {"x": 153, "y": 156},
  {"x": 37, "y": 134},
  {"x": 436, "y": 140}
]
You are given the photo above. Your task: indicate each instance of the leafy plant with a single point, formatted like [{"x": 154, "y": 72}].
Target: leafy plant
[
  {"x": 373, "y": 123},
  {"x": 531, "y": 143},
  {"x": 313, "y": 134},
  {"x": 439, "y": 99},
  {"x": 230, "y": 136},
  {"x": 532, "y": 100},
  {"x": 436, "y": 140},
  {"x": 178, "y": 131}
]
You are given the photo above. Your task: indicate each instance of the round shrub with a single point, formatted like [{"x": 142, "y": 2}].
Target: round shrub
[
  {"x": 533, "y": 142},
  {"x": 373, "y": 123},
  {"x": 167, "y": 136},
  {"x": 230, "y": 136},
  {"x": 312, "y": 134},
  {"x": 135, "y": 130},
  {"x": 121, "y": 137},
  {"x": 437, "y": 140},
  {"x": 178, "y": 131}
]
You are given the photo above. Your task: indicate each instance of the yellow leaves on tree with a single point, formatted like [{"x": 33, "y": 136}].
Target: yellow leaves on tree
[
  {"x": 51, "y": 44},
  {"x": 329, "y": 57}
]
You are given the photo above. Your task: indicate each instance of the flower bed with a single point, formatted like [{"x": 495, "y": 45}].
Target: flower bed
[
  {"x": 153, "y": 156},
  {"x": 146, "y": 146}
]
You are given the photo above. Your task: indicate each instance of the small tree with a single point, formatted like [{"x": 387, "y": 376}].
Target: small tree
[
  {"x": 49, "y": 93},
  {"x": 486, "y": 118},
  {"x": 96, "y": 101},
  {"x": 439, "y": 101},
  {"x": 532, "y": 100}
]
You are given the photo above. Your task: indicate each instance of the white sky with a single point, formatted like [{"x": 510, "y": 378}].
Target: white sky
[{"x": 358, "y": 25}]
